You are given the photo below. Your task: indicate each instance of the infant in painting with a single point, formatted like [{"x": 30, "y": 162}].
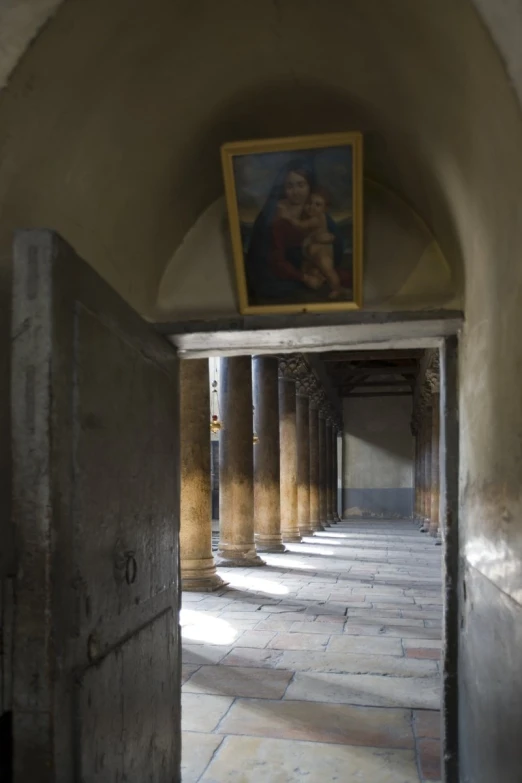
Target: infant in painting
[{"x": 318, "y": 242}]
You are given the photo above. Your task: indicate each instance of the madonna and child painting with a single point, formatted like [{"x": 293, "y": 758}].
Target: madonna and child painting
[{"x": 295, "y": 212}]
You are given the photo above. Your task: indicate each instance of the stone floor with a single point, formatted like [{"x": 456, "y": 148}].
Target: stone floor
[{"x": 322, "y": 666}]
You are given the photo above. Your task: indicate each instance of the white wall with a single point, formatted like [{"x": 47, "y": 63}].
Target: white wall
[{"x": 378, "y": 452}]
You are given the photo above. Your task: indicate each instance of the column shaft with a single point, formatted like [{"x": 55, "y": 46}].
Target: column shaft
[
  {"x": 435, "y": 466},
  {"x": 288, "y": 455},
  {"x": 322, "y": 470},
  {"x": 303, "y": 463},
  {"x": 267, "y": 507},
  {"x": 427, "y": 468},
  {"x": 422, "y": 458},
  {"x": 328, "y": 476},
  {"x": 416, "y": 476},
  {"x": 335, "y": 516},
  {"x": 198, "y": 569},
  {"x": 315, "y": 523},
  {"x": 236, "y": 465}
]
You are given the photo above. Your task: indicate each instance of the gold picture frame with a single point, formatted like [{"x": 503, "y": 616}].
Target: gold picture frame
[{"x": 295, "y": 208}]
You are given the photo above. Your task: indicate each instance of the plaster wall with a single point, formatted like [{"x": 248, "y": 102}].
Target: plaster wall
[
  {"x": 20, "y": 22},
  {"x": 404, "y": 267},
  {"x": 377, "y": 457},
  {"x": 109, "y": 128}
]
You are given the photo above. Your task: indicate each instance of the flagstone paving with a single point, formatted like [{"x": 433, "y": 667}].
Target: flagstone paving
[{"x": 324, "y": 665}]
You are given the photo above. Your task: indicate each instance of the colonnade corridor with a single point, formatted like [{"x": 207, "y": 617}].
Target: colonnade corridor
[{"x": 324, "y": 665}]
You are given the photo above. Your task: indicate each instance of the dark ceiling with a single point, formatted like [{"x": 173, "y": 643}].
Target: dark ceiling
[{"x": 373, "y": 373}]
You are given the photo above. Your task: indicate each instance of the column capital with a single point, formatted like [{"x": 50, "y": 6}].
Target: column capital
[
  {"x": 302, "y": 386},
  {"x": 433, "y": 376},
  {"x": 292, "y": 367},
  {"x": 324, "y": 407},
  {"x": 428, "y": 385}
]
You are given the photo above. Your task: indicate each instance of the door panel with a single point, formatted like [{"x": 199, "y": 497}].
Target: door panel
[
  {"x": 114, "y": 482},
  {"x": 125, "y": 705},
  {"x": 96, "y": 514}
]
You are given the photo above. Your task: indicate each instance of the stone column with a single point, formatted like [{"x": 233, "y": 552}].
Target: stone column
[
  {"x": 322, "y": 468},
  {"x": 416, "y": 475},
  {"x": 422, "y": 472},
  {"x": 435, "y": 465},
  {"x": 329, "y": 468},
  {"x": 198, "y": 569},
  {"x": 422, "y": 468},
  {"x": 344, "y": 465},
  {"x": 335, "y": 473},
  {"x": 427, "y": 469},
  {"x": 288, "y": 453},
  {"x": 315, "y": 523},
  {"x": 267, "y": 507},
  {"x": 303, "y": 459},
  {"x": 333, "y": 479},
  {"x": 236, "y": 465}
]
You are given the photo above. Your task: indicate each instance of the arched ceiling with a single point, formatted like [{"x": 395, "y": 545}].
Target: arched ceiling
[{"x": 111, "y": 124}]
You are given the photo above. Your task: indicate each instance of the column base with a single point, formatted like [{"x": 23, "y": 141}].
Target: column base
[
  {"x": 291, "y": 538},
  {"x": 200, "y": 576},
  {"x": 316, "y": 527},
  {"x": 306, "y": 531},
  {"x": 238, "y": 558},
  {"x": 202, "y": 584},
  {"x": 291, "y": 535},
  {"x": 267, "y": 544}
]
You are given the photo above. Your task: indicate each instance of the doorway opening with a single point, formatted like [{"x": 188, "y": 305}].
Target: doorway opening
[{"x": 340, "y": 651}]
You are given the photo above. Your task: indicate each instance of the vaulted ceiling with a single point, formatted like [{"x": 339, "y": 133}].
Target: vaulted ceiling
[{"x": 111, "y": 124}]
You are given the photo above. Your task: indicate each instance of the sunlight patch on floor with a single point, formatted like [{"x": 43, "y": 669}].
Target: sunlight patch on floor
[
  {"x": 202, "y": 627},
  {"x": 268, "y": 586},
  {"x": 289, "y": 562},
  {"x": 306, "y": 549}
]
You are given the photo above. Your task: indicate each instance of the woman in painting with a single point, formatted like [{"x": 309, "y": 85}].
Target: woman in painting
[{"x": 276, "y": 263}]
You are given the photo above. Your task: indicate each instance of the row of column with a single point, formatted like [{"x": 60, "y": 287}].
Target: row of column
[
  {"x": 427, "y": 461},
  {"x": 277, "y": 491}
]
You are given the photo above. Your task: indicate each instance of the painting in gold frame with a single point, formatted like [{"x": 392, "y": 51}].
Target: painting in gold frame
[{"x": 295, "y": 214}]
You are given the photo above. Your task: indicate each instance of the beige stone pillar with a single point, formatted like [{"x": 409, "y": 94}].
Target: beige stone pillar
[
  {"x": 426, "y": 512},
  {"x": 198, "y": 569},
  {"x": 435, "y": 465},
  {"x": 315, "y": 523},
  {"x": 322, "y": 468},
  {"x": 421, "y": 456},
  {"x": 267, "y": 507},
  {"x": 329, "y": 469},
  {"x": 416, "y": 471},
  {"x": 288, "y": 454},
  {"x": 303, "y": 460},
  {"x": 236, "y": 465},
  {"x": 422, "y": 472},
  {"x": 335, "y": 472},
  {"x": 419, "y": 473}
]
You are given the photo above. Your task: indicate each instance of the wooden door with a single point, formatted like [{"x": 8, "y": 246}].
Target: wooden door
[{"x": 95, "y": 407}]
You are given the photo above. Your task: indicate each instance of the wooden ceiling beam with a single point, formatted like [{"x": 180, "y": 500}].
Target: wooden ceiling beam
[
  {"x": 347, "y": 386},
  {"x": 372, "y": 369},
  {"x": 379, "y": 384},
  {"x": 359, "y": 356},
  {"x": 379, "y": 394}
]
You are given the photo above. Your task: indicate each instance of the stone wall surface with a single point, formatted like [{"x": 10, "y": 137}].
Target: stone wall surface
[
  {"x": 378, "y": 456},
  {"x": 109, "y": 130}
]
